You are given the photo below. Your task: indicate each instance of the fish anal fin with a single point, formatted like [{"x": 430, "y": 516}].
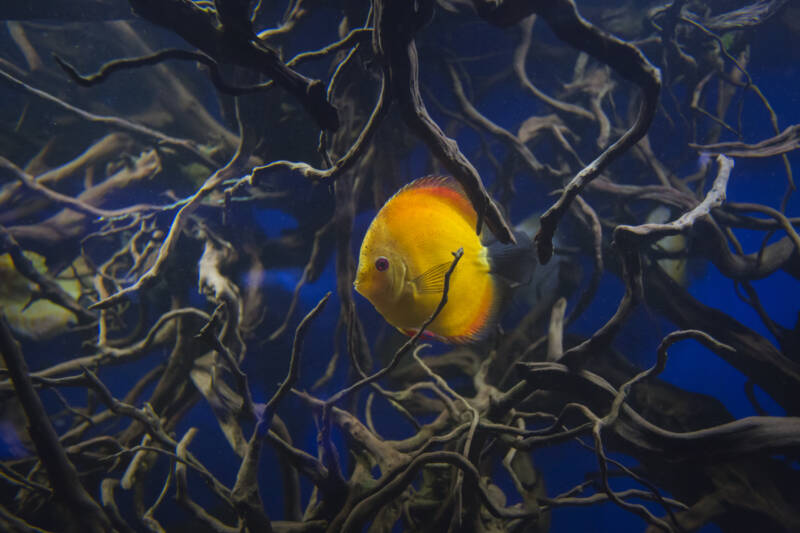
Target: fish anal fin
[{"x": 426, "y": 335}]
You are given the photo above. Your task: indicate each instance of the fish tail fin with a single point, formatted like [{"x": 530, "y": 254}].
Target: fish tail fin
[
  {"x": 529, "y": 226},
  {"x": 514, "y": 264}
]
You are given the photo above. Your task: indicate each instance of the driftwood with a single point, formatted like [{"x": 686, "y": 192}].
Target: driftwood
[{"x": 153, "y": 200}]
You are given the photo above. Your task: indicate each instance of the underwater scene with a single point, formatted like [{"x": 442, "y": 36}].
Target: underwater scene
[{"x": 304, "y": 266}]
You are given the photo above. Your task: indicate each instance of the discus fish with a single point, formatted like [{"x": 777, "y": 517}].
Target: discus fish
[
  {"x": 40, "y": 319},
  {"x": 409, "y": 248},
  {"x": 674, "y": 268}
]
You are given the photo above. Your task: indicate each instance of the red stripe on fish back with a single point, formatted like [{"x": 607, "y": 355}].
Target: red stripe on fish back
[{"x": 446, "y": 188}]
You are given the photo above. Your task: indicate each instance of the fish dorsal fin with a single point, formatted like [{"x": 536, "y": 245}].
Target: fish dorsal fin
[
  {"x": 445, "y": 188},
  {"x": 432, "y": 280}
]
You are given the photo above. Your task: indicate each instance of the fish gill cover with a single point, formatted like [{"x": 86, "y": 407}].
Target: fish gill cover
[{"x": 184, "y": 189}]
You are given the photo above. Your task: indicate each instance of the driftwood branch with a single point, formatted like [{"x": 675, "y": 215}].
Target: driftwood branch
[
  {"x": 395, "y": 25},
  {"x": 112, "y": 122},
  {"x": 563, "y": 18},
  {"x": 62, "y": 473},
  {"x": 787, "y": 141},
  {"x": 138, "y": 219},
  {"x": 229, "y": 38}
]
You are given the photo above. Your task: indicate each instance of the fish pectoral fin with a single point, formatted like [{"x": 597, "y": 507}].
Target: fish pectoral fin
[{"x": 432, "y": 280}]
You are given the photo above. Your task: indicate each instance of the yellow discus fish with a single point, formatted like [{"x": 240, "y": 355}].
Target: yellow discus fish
[
  {"x": 674, "y": 268},
  {"x": 408, "y": 249},
  {"x": 42, "y": 319}
]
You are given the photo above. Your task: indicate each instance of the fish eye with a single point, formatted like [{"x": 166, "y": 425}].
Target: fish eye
[{"x": 381, "y": 264}]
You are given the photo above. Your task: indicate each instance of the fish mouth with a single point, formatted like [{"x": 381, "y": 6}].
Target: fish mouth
[{"x": 361, "y": 288}]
